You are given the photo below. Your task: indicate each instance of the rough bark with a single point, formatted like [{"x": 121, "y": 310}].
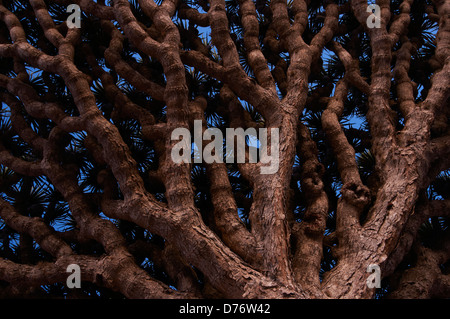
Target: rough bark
[{"x": 276, "y": 255}]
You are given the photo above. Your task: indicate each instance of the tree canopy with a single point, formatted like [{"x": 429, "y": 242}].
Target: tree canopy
[{"x": 87, "y": 178}]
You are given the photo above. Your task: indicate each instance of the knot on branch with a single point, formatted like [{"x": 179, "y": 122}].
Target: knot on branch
[
  {"x": 355, "y": 194},
  {"x": 313, "y": 185}
]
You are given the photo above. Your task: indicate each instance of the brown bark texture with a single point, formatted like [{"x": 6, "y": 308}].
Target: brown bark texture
[{"x": 88, "y": 178}]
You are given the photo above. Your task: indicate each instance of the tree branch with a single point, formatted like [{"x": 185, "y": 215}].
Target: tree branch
[
  {"x": 46, "y": 237},
  {"x": 309, "y": 234}
]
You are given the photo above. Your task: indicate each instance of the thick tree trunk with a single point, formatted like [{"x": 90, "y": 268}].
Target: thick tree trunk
[{"x": 276, "y": 256}]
